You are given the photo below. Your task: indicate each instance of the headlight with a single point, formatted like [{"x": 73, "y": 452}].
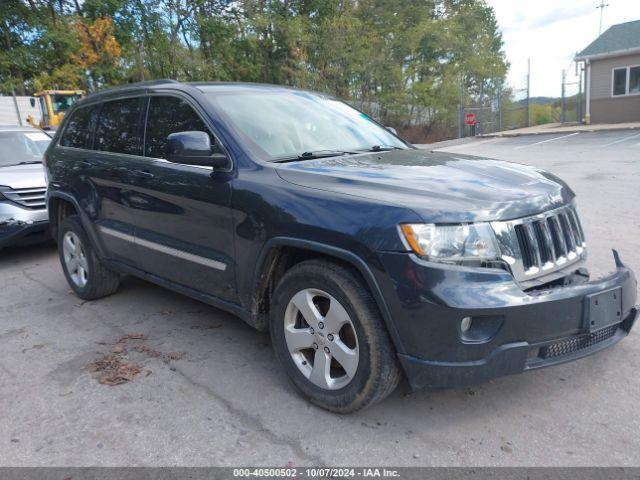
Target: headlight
[{"x": 470, "y": 243}]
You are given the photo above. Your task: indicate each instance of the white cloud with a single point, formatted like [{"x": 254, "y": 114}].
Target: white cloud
[{"x": 550, "y": 33}]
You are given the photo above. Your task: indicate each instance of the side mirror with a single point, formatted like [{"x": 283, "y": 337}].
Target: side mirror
[
  {"x": 392, "y": 130},
  {"x": 193, "y": 148},
  {"x": 32, "y": 102}
]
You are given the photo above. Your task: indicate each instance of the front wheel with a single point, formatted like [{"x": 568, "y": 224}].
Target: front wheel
[
  {"x": 86, "y": 275},
  {"x": 329, "y": 336}
]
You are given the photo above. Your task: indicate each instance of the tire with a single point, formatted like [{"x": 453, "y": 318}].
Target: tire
[
  {"x": 86, "y": 275},
  {"x": 376, "y": 372}
]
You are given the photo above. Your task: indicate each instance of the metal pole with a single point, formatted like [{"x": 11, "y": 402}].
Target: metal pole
[
  {"x": 500, "y": 108},
  {"x": 601, "y": 7},
  {"x": 587, "y": 89},
  {"x": 15, "y": 104},
  {"x": 528, "y": 92},
  {"x": 579, "y": 113},
  {"x": 461, "y": 110},
  {"x": 562, "y": 100},
  {"x": 480, "y": 118}
]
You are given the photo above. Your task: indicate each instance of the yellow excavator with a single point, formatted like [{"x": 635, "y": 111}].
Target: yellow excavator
[{"x": 53, "y": 105}]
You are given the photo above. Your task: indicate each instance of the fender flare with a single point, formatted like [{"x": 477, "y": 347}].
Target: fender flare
[
  {"x": 349, "y": 257},
  {"x": 64, "y": 196},
  {"x": 84, "y": 219}
]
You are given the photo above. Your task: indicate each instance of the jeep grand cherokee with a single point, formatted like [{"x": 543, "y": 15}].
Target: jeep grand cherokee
[{"x": 364, "y": 258}]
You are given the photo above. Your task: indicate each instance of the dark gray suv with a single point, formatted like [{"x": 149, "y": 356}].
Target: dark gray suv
[{"x": 365, "y": 258}]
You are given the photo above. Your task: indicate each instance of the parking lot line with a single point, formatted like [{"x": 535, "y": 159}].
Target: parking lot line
[
  {"x": 620, "y": 140},
  {"x": 546, "y": 141}
]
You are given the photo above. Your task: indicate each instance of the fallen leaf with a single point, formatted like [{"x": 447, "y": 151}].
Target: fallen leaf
[
  {"x": 147, "y": 351},
  {"x": 137, "y": 336},
  {"x": 506, "y": 448},
  {"x": 123, "y": 373},
  {"x": 175, "y": 355}
]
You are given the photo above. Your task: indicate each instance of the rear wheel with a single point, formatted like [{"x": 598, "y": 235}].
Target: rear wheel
[
  {"x": 86, "y": 275},
  {"x": 328, "y": 334}
]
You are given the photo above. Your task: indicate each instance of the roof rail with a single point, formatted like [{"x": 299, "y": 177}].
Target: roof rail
[{"x": 147, "y": 83}]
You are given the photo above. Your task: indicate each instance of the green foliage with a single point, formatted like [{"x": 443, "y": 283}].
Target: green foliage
[
  {"x": 541, "y": 114},
  {"x": 397, "y": 60}
]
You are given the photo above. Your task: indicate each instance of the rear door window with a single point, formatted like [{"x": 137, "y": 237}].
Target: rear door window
[
  {"x": 119, "y": 127},
  {"x": 79, "y": 130},
  {"x": 169, "y": 115}
]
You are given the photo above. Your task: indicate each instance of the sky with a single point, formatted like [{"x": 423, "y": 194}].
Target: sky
[{"x": 550, "y": 32}]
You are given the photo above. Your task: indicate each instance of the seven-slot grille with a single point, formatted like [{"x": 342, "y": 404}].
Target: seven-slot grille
[
  {"x": 33, "y": 198},
  {"x": 541, "y": 244}
]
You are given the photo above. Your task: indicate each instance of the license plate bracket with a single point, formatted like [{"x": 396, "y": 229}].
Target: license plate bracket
[{"x": 603, "y": 309}]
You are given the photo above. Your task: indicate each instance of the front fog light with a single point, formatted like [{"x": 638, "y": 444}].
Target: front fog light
[
  {"x": 465, "y": 324},
  {"x": 480, "y": 328}
]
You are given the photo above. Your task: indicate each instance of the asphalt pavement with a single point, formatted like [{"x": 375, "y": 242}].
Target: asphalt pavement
[{"x": 211, "y": 393}]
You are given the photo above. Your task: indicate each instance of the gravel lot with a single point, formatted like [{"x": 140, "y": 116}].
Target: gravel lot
[{"x": 226, "y": 402}]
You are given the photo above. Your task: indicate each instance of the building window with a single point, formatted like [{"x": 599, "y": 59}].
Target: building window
[
  {"x": 620, "y": 81},
  {"x": 626, "y": 81},
  {"x": 634, "y": 79}
]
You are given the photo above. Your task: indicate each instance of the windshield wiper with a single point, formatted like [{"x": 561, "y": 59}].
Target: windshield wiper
[
  {"x": 311, "y": 155},
  {"x": 383, "y": 148}
]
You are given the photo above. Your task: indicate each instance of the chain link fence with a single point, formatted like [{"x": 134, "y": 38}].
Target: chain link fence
[
  {"x": 571, "y": 100},
  {"x": 513, "y": 108}
]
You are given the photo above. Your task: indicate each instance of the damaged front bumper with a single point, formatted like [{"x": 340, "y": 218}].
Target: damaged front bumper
[
  {"x": 22, "y": 226},
  {"x": 510, "y": 331}
]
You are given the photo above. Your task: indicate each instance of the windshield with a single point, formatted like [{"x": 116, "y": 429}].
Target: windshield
[
  {"x": 283, "y": 124},
  {"x": 22, "y": 147},
  {"x": 63, "y": 102}
]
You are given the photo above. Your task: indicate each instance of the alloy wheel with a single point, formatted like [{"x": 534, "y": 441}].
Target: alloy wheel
[
  {"x": 321, "y": 339},
  {"x": 75, "y": 259}
]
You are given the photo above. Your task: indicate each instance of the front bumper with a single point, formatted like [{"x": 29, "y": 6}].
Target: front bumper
[
  {"x": 20, "y": 233},
  {"x": 20, "y": 226},
  {"x": 516, "y": 331}
]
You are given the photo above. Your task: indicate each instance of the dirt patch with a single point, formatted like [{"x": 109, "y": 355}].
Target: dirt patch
[{"x": 116, "y": 368}]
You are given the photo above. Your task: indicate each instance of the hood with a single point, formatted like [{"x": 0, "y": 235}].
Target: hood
[
  {"x": 23, "y": 176},
  {"x": 440, "y": 187}
]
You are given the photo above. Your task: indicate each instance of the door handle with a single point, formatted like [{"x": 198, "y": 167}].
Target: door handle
[{"x": 142, "y": 173}]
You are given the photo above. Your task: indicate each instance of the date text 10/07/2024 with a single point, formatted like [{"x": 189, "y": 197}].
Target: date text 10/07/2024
[{"x": 293, "y": 472}]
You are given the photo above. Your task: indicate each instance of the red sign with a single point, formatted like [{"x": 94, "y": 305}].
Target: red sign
[{"x": 470, "y": 119}]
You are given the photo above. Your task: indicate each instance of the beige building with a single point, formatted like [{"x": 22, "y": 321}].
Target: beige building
[{"x": 612, "y": 75}]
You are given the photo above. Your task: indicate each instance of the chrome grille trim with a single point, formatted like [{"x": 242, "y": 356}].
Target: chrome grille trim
[
  {"x": 32, "y": 198},
  {"x": 540, "y": 244}
]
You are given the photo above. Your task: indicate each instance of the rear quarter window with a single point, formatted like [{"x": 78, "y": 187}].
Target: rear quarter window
[{"x": 119, "y": 127}]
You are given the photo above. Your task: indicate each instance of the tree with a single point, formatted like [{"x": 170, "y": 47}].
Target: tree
[
  {"x": 405, "y": 63},
  {"x": 98, "y": 50}
]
